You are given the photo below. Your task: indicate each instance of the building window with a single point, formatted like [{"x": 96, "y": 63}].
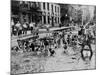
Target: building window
[
  {"x": 48, "y": 6},
  {"x": 52, "y": 7},
  {"x": 55, "y": 19},
  {"x": 48, "y": 20},
  {"x": 58, "y": 9},
  {"x": 37, "y": 4},
  {"x": 44, "y": 19},
  {"x": 43, "y": 5},
  {"x": 24, "y": 5},
  {"x": 55, "y": 8},
  {"x": 33, "y": 4},
  {"x": 58, "y": 19}
]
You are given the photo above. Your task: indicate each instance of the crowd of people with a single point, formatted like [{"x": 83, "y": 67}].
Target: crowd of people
[
  {"x": 18, "y": 28},
  {"x": 46, "y": 46}
]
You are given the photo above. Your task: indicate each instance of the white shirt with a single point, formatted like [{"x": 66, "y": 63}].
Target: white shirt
[
  {"x": 31, "y": 24},
  {"x": 24, "y": 25},
  {"x": 12, "y": 23},
  {"x": 18, "y": 24}
]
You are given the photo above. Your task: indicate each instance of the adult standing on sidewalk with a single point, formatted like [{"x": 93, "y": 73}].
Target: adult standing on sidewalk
[
  {"x": 19, "y": 28},
  {"x": 12, "y": 27},
  {"x": 25, "y": 27}
]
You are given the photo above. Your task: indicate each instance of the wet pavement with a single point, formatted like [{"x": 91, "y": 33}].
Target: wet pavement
[{"x": 59, "y": 62}]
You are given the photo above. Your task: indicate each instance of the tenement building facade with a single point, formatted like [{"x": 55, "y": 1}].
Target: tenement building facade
[
  {"x": 39, "y": 12},
  {"x": 50, "y": 13},
  {"x": 25, "y": 11}
]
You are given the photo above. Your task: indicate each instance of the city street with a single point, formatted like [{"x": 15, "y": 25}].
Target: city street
[
  {"x": 58, "y": 62},
  {"x": 49, "y": 37},
  {"x": 64, "y": 62}
]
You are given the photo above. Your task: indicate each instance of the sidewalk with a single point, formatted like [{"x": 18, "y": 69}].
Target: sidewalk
[{"x": 40, "y": 31}]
